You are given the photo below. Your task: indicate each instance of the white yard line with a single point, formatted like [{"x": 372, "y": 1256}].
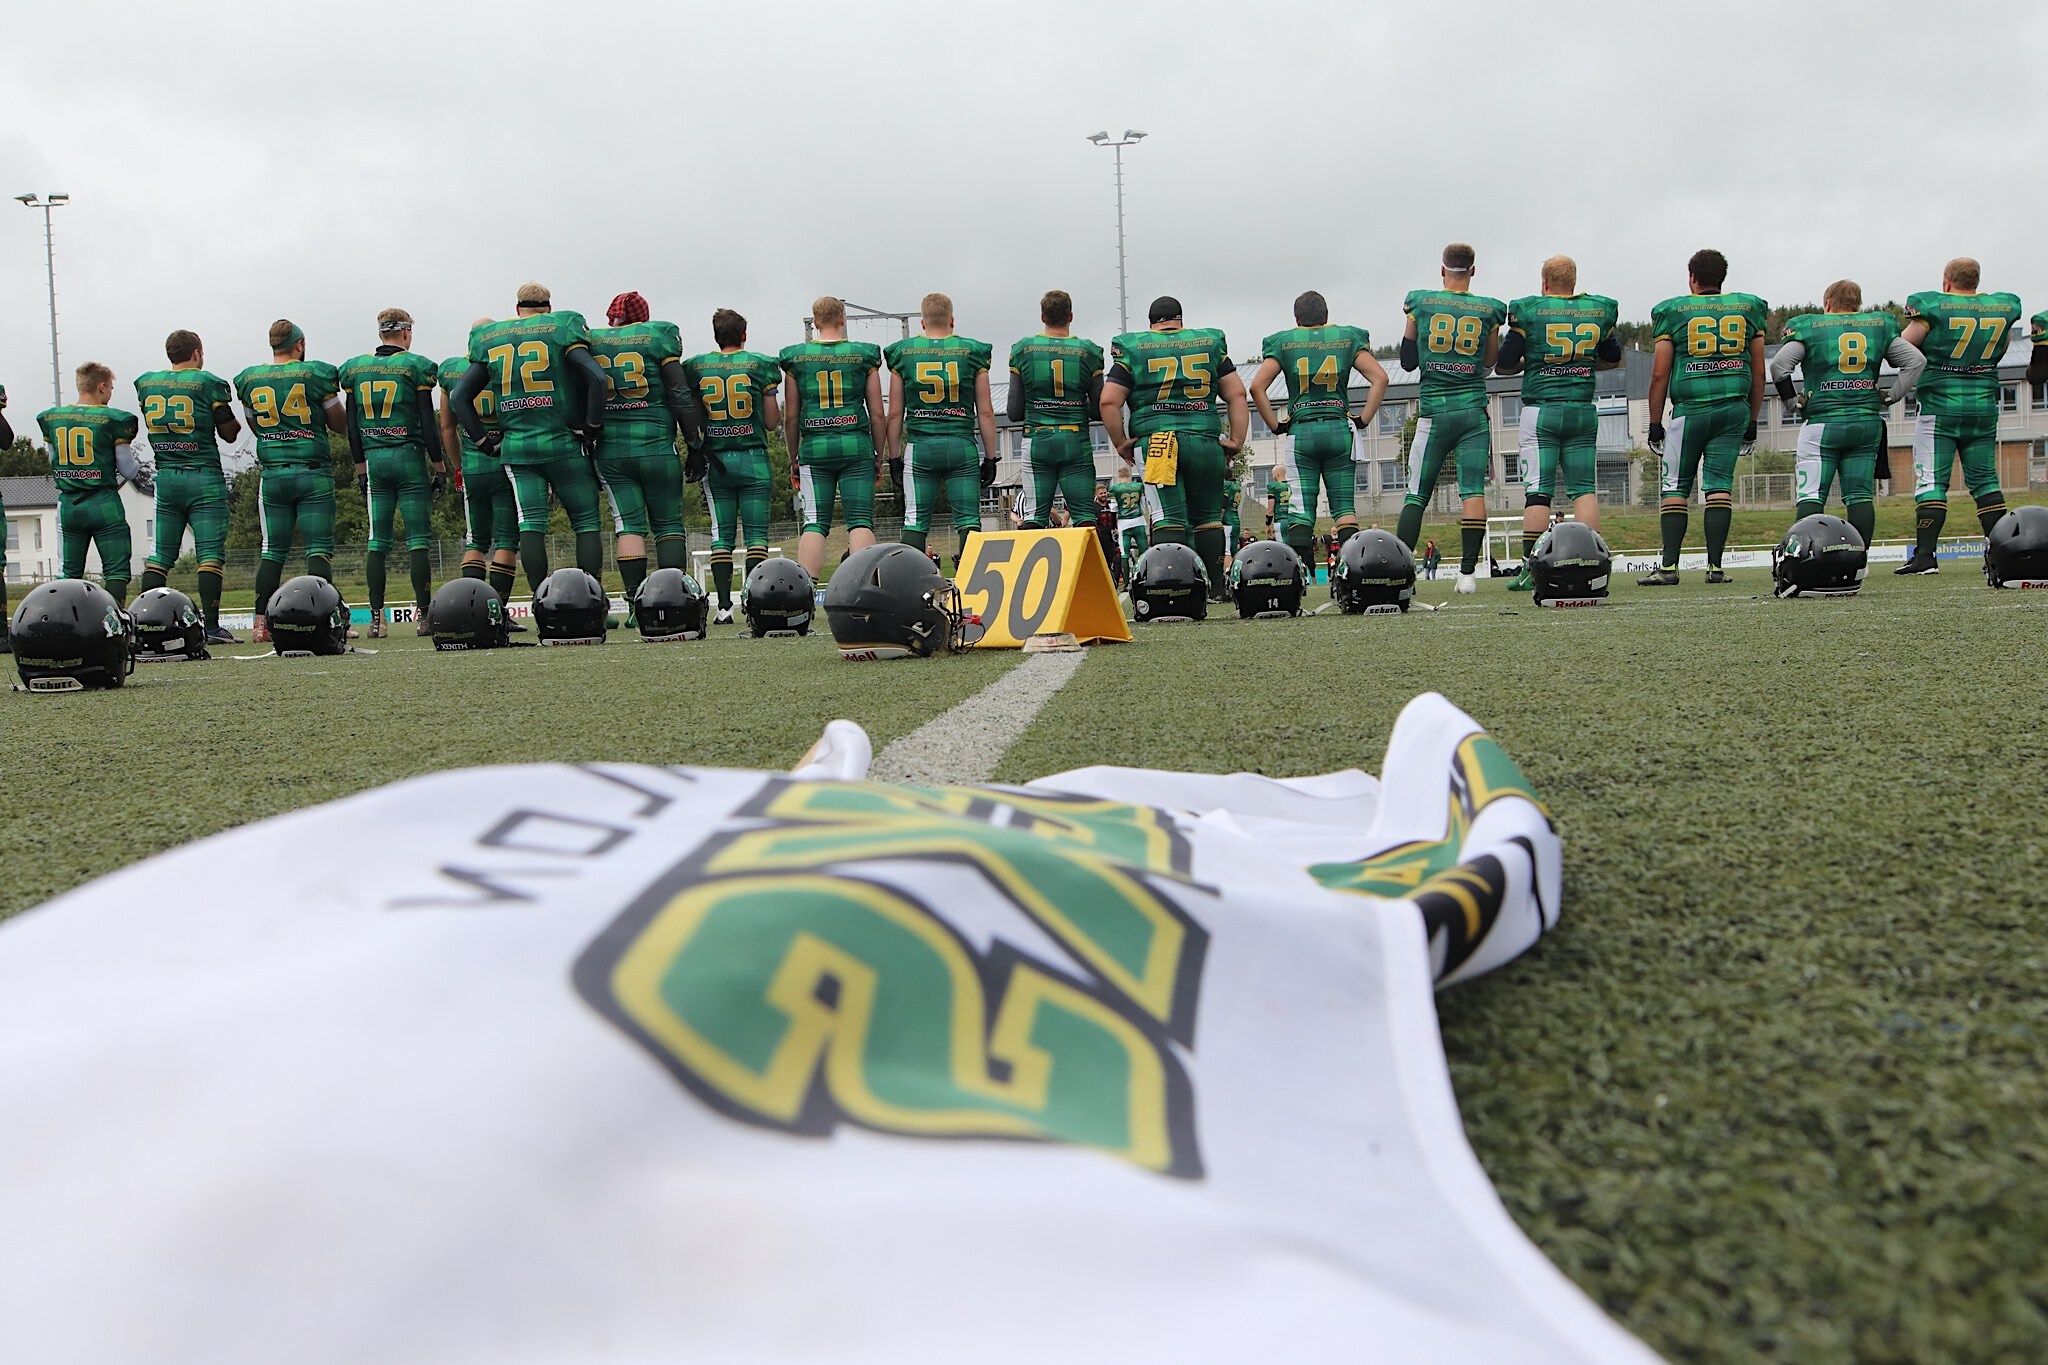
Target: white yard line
[{"x": 966, "y": 743}]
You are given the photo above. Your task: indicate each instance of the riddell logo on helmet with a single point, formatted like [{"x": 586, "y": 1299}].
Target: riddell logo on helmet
[
  {"x": 591, "y": 640},
  {"x": 2025, "y": 583},
  {"x": 1572, "y": 602}
]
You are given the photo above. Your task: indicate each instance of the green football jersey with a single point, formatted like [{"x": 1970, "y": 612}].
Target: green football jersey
[
  {"x": 1559, "y": 338},
  {"x": 285, "y": 402},
  {"x": 1710, "y": 334},
  {"x": 1129, "y": 497},
  {"x": 539, "y": 396},
  {"x": 938, "y": 375},
  {"x": 1173, "y": 377},
  {"x": 1281, "y": 494},
  {"x": 486, "y": 404},
  {"x": 1966, "y": 338},
  {"x": 177, "y": 408},
  {"x": 1056, "y": 374},
  {"x": 384, "y": 391},
  {"x": 1450, "y": 342},
  {"x": 831, "y": 383},
  {"x": 1233, "y": 494},
  {"x": 632, "y": 357},
  {"x": 1842, "y": 355},
  {"x": 2039, "y": 323},
  {"x": 732, "y": 387},
  {"x": 82, "y": 439},
  {"x": 1316, "y": 363}
]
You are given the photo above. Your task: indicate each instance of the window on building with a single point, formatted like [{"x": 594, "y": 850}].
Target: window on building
[
  {"x": 1510, "y": 409},
  {"x": 14, "y": 537},
  {"x": 2008, "y": 398},
  {"x": 2039, "y": 397},
  {"x": 1390, "y": 475},
  {"x": 1393, "y": 416}
]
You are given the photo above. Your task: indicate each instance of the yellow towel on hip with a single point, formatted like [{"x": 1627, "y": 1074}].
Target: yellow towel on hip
[{"x": 1162, "y": 458}]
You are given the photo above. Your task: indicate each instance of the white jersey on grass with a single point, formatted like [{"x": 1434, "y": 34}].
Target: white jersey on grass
[{"x": 561, "y": 1064}]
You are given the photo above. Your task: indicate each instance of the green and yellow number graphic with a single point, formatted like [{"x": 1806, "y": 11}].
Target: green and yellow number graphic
[{"x": 790, "y": 981}]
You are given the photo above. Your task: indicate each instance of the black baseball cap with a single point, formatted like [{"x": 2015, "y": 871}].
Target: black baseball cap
[{"x": 1165, "y": 308}]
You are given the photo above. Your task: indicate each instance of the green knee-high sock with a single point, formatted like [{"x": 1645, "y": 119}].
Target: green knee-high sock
[
  {"x": 1300, "y": 540},
  {"x": 1209, "y": 545},
  {"x": 632, "y": 572},
  {"x": 373, "y": 570},
  {"x": 320, "y": 566},
  {"x": 1345, "y": 533},
  {"x": 268, "y": 574},
  {"x": 1927, "y": 522},
  {"x": 721, "y": 579},
  {"x": 1672, "y": 523},
  {"x": 152, "y": 578},
  {"x": 421, "y": 562},
  {"x": 960, "y": 555},
  {"x": 1718, "y": 518},
  {"x": 117, "y": 588},
  {"x": 1863, "y": 517},
  {"x": 757, "y": 555},
  {"x": 475, "y": 570},
  {"x": 671, "y": 552},
  {"x": 1529, "y": 542},
  {"x": 209, "y": 597},
  {"x": 500, "y": 579},
  {"x": 914, "y": 539},
  {"x": 533, "y": 557},
  {"x": 1990, "y": 508},
  {"x": 1471, "y": 543},
  {"x": 1409, "y": 528},
  {"x": 590, "y": 554},
  {"x": 1806, "y": 507}
]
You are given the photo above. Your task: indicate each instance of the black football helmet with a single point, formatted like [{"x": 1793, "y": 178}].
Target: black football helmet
[
  {"x": 70, "y": 635},
  {"x": 779, "y": 597},
  {"x": 1375, "y": 574},
  {"x": 1267, "y": 579},
  {"x": 671, "y": 606},
  {"x": 167, "y": 627},
  {"x": 1821, "y": 556},
  {"x": 307, "y": 617},
  {"x": 891, "y": 602},
  {"x": 467, "y": 613},
  {"x": 2017, "y": 555},
  {"x": 1570, "y": 567},
  {"x": 1170, "y": 584},
  {"x": 571, "y": 608}
]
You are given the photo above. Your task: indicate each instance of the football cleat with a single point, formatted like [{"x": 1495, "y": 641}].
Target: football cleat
[
  {"x": 1715, "y": 575},
  {"x": 421, "y": 628},
  {"x": 724, "y": 617},
  {"x": 376, "y": 625},
  {"x": 1468, "y": 583},
  {"x": 1521, "y": 582},
  {"x": 1919, "y": 564},
  {"x": 1659, "y": 578},
  {"x": 220, "y": 635}
]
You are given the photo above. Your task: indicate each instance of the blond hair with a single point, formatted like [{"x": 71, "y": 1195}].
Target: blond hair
[
  {"x": 1561, "y": 272},
  {"x": 93, "y": 375},
  {"x": 828, "y": 311},
  {"x": 1847, "y": 295},
  {"x": 936, "y": 310},
  {"x": 533, "y": 294},
  {"x": 1962, "y": 272},
  {"x": 392, "y": 321}
]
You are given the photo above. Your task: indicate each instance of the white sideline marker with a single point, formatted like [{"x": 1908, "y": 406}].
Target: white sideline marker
[{"x": 965, "y": 743}]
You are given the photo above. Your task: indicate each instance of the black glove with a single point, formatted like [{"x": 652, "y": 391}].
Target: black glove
[
  {"x": 591, "y": 439},
  {"x": 363, "y": 482},
  {"x": 1657, "y": 437},
  {"x": 145, "y": 482},
  {"x": 437, "y": 481},
  {"x": 694, "y": 465},
  {"x": 896, "y": 475},
  {"x": 492, "y": 442},
  {"x": 988, "y": 473},
  {"x": 1749, "y": 437},
  {"x": 1286, "y": 425}
]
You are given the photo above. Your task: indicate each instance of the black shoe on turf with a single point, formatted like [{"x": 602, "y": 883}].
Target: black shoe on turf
[
  {"x": 1659, "y": 578},
  {"x": 1716, "y": 576},
  {"x": 1919, "y": 564},
  {"x": 513, "y": 625}
]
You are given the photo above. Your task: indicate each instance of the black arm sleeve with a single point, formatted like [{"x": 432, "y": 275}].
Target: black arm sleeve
[
  {"x": 2037, "y": 365},
  {"x": 1013, "y": 405},
  {"x": 1094, "y": 398},
  {"x": 463, "y": 397},
  {"x": 1117, "y": 375},
  {"x": 596, "y": 388},
  {"x": 1411, "y": 355},
  {"x": 1512, "y": 351},
  {"x": 355, "y": 432},
  {"x": 1609, "y": 349},
  {"x": 430, "y": 424},
  {"x": 1784, "y": 387},
  {"x": 6, "y": 431},
  {"x": 683, "y": 403}
]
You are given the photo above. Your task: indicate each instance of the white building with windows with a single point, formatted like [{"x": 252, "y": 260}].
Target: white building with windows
[{"x": 34, "y": 552}]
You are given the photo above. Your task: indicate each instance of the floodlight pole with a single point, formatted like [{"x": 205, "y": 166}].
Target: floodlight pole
[
  {"x": 46, "y": 204},
  {"x": 1130, "y": 138}
]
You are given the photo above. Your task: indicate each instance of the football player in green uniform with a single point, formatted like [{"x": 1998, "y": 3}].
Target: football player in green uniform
[
  {"x": 1233, "y": 492},
  {"x": 1710, "y": 362},
  {"x": 1317, "y": 444},
  {"x": 1055, "y": 391},
  {"x": 90, "y": 454},
  {"x": 186, "y": 410},
  {"x": 396, "y": 440},
  {"x": 1963, "y": 334},
  {"x": 1555, "y": 341},
  {"x": 550, "y": 395},
  {"x": 2037, "y": 359},
  {"x": 836, "y": 429},
  {"x": 1279, "y": 501},
  {"x": 1172, "y": 375},
  {"x": 738, "y": 389},
  {"x": 1133, "y": 535},
  {"x": 1838, "y": 352},
  {"x": 490, "y": 545},
  {"x": 292, "y": 404},
  {"x": 938, "y": 398},
  {"x": 1453, "y": 338},
  {"x": 6, "y": 440},
  {"x": 650, "y": 399}
]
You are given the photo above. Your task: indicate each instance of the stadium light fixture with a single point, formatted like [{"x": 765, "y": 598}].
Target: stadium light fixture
[
  {"x": 46, "y": 204},
  {"x": 1123, "y": 290}
]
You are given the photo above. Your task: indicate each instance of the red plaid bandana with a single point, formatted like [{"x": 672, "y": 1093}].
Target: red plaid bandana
[{"x": 629, "y": 307}]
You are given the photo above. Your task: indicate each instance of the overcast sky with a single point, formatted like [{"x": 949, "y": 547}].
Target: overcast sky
[{"x": 230, "y": 164}]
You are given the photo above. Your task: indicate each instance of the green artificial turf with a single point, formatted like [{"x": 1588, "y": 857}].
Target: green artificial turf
[{"x": 1774, "y": 1088}]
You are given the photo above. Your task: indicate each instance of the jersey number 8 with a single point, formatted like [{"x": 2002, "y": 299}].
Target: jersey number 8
[{"x": 1448, "y": 334}]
